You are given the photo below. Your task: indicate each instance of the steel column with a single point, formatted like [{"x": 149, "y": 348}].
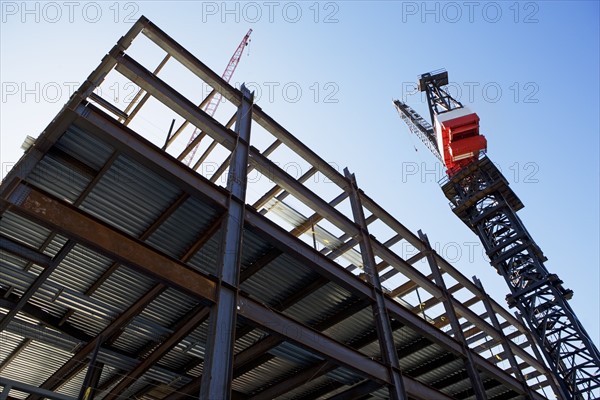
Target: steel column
[
  {"x": 382, "y": 321},
  {"x": 474, "y": 376},
  {"x": 218, "y": 364}
]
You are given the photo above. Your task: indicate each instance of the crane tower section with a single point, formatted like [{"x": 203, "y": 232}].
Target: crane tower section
[{"x": 480, "y": 196}]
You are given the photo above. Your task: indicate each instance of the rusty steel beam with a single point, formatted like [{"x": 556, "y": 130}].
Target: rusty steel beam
[{"x": 62, "y": 217}]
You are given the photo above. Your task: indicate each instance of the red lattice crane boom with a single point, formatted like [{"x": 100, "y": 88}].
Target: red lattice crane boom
[{"x": 215, "y": 97}]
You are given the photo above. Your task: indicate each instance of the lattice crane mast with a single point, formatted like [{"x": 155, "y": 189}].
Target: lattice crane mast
[
  {"x": 215, "y": 97},
  {"x": 480, "y": 196}
]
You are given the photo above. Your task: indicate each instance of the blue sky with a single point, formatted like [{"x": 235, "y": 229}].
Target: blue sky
[{"x": 529, "y": 69}]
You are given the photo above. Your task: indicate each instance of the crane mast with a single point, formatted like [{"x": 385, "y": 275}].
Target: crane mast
[
  {"x": 215, "y": 97},
  {"x": 480, "y": 196}
]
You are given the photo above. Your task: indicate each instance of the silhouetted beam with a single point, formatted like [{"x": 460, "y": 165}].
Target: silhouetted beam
[
  {"x": 24, "y": 251},
  {"x": 357, "y": 391},
  {"x": 329, "y": 387},
  {"x": 37, "y": 283},
  {"x": 78, "y": 358},
  {"x": 295, "y": 381},
  {"x": 10, "y": 300},
  {"x": 186, "y": 325}
]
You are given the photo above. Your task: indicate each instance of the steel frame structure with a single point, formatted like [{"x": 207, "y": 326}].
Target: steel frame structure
[{"x": 246, "y": 334}]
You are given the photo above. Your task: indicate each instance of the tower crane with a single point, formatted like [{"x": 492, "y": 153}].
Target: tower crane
[
  {"x": 480, "y": 196},
  {"x": 215, "y": 97}
]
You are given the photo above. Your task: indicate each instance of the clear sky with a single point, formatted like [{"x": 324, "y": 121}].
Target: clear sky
[{"x": 328, "y": 72}]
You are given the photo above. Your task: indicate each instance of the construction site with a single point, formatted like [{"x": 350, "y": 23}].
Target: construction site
[{"x": 131, "y": 271}]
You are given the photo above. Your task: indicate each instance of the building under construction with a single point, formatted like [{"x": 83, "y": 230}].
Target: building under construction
[{"x": 128, "y": 273}]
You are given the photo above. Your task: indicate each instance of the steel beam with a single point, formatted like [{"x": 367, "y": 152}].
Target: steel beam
[
  {"x": 380, "y": 315},
  {"x": 58, "y": 377},
  {"x": 474, "y": 376},
  {"x": 296, "y": 380},
  {"x": 62, "y": 217},
  {"x": 358, "y": 391},
  {"x": 186, "y": 325},
  {"x": 37, "y": 283},
  {"x": 233, "y": 95},
  {"x": 218, "y": 364},
  {"x": 505, "y": 341},
  {"x": 10, "y": 384},
  {"x": 25, "y": 252},
  {"x": 312, "y": 340},
  {"x": 136, "y": 104}
]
